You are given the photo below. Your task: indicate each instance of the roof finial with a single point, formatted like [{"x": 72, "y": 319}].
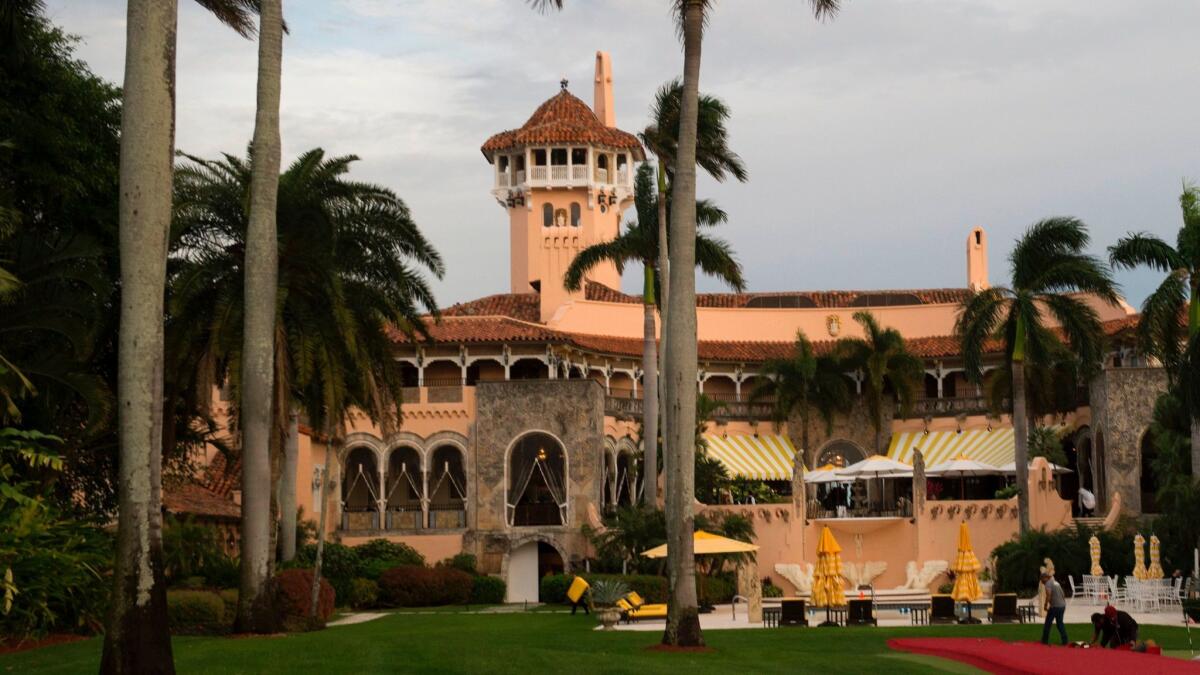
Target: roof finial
[{"x": 563, "y": 83}]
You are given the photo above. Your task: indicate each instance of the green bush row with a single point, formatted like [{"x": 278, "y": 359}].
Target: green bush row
[
  {"x": 652, "y": 588},
  {"x": 1018, "y": 561}
]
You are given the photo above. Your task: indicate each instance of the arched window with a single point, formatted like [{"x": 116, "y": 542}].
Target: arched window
[
  {"x": 547, "y": 215},
  {"x": 360, "y": 490},
  {"x": 576, "y": 212},
  {"x": 1148, "y": 481},
  {"x": 404, "y": 485},
  {"x": 537, "y": 487},
  {"x": 447, "y": 488},
  {"x": 629, "y": 481},
  {"x": 840, "y": 453}
]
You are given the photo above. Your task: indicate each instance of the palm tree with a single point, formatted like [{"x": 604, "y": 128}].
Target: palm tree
[
  {"x": 887, "y": 369},
  {"x": 1161, "y": 334},
  {"x": 261, "y": 279},
  {"x": 640, "y": 243},
  {"x": 803, "y": 384},
  {"x": 1048, "y": 264},
  {"x": 683, "y": 620},
  {"x": 712, "y": 153},
  {"x": 137, "y": 639},
  {"x": 350, "y": 271}
]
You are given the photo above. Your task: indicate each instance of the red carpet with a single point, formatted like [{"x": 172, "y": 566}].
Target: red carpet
[{"x": 1013, "y": 658}]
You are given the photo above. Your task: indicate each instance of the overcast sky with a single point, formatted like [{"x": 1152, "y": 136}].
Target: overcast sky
[{"x": 874, "y": 141}]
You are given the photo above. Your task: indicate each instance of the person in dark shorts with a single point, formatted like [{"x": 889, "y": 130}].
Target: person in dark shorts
[{"x": 1113, "y": 628}]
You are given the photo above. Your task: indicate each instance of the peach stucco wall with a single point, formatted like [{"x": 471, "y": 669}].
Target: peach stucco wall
[
  {"x": 783, "y": 537},
  {"x": 773, "y": 325}
]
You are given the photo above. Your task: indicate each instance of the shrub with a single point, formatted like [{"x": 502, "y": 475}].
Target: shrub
[
  {"x": 364, "y": 593},
  {"x": 197, "y": 613},
  {"x": 230, "y": 597},
  {"x": 717, "y": 590},
  {"x": 294, "y": 594},
  {"x": 946, "y": 588},
  {"x": 375, "y": 568},
  {"x": 340, "y": 565},
  {"x": 189, "y": 551},
  {"x": 463, "y": 561},
  {"x": 413, "y": 586},
  {"x": 1018, "y": 560},
  {"x": 488, "y": 590},
  {"x": 770, "y": 590},
  {"x": 223, "y": 572},
  {"x": 382, "y": 549}
]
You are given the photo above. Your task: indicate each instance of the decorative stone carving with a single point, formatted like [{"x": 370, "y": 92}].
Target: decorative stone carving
[
  {"x": 952, "y": 511},
  {"x": 969, "y": 512},
  {"x": 935, "y": 511},
  {"x": 985, "y": 511}
]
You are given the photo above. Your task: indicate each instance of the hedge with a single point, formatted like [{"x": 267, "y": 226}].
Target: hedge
[
  {"x": 382, "y": 549},
  {"x": 294, "y": 588},
  {"x": 364, "y": 594},
  {"x": 412, "y": 586},
  {"x": 196, "y": 613},
  {"x": 717, "y": 590},
  {"x": 488, "y": 590}
]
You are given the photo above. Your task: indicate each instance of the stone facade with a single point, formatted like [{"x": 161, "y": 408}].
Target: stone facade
[
  {"x": 1122, "y": 407},
  {"x": 854, "y": 427},
  {"x": 571, "y": 411}
]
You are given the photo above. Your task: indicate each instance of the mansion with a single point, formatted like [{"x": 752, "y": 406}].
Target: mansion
[{"x": 521, "y": 415}]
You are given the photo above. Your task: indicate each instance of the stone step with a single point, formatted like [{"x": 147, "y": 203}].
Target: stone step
[{"x": 1093, "y": 523}]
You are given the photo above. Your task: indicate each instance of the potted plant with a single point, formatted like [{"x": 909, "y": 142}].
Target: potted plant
[{"x": 605, "y": 594}]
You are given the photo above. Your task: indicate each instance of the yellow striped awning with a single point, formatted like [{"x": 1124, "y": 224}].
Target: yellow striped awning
[
  {"x": 762, "y": 457},
  {"x": 995, "y": 447}
]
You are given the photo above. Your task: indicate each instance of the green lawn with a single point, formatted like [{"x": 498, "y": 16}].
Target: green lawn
[{"x": 532, "y": 643}]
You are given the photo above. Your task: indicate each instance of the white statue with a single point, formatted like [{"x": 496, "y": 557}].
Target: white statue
[{"x": 799, "y": 576}]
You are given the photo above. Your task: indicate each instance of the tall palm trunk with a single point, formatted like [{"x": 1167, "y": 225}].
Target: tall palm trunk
[
  {"x": 1021, "y": 434},
  {"x": 258, "y": 347},
  {"x": 287, "y": 490},
  {"x": 664, "y": 295},
  {"x": 137, "y": 639},
  {"x": 798, "y": 494},
  {"x": 1193, "y": 329},
  {"x": 649, "y": 392},
  {"x": 683, "y": 616},
  {"x": 327, "y": 485}
]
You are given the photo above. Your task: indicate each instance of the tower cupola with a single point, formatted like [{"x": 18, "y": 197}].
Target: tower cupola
[{"x": 564, "y": 177}]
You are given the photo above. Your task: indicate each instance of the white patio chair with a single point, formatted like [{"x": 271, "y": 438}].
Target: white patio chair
[{"x": 1116, "y": 593}]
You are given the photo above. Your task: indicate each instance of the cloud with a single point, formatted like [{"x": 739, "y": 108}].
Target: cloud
[{"x": 874, "y": 141}]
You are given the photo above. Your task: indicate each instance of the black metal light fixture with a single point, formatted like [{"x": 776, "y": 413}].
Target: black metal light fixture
[{"x": 520, "y": 199}]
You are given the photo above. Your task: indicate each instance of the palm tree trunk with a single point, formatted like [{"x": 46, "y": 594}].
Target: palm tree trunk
[
  {"x": 331, "y": 453},
  {"x": 798, "y": 494},
  {"x": 683, "y": 616},
  {"x": 258, "y": 350},
  {"x": 664, "y": 294},
  {"x": 287, "y": 489},
  {"x": 649, "y": 393},
  {"x": 137, "y": 639},
  {"x": 1021, "y": 436}
]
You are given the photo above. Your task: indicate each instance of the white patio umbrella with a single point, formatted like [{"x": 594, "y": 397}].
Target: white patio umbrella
[
  {"x": 825, "y": 474},
  {"x": 961, "y": 467},
  {"x": 877, "y": 467}
]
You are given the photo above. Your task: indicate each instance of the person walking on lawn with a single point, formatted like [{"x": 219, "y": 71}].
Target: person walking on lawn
[{"x": 1056, "y": 607}]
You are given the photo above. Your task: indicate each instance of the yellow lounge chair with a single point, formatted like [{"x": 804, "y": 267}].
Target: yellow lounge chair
[
  {"x": 638, "y": 609},
  {"x": 577, "y": 591}
]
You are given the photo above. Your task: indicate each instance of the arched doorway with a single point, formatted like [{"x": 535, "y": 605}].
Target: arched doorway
[
  {"x": 405, "y": 486},
  {"x": 360, "y": 490},
  {"x": 1148, "y": 482},
  {"x": 528, "y": 562},
  {"x": 447, "y": 488},
  {"x": 840, "y": 453},
  {"x": 537, "y": 486}
]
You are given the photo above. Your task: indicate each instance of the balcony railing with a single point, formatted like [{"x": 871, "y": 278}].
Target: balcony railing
[
  {"x": 537, "y": 514},
  {"x": 621, "y": 406},
  {"x": 565, "y": 175},
  {"x": 539, "y": 172},
  {"x": 949, "y": 407},
  {"x": 579, "y": 173}
]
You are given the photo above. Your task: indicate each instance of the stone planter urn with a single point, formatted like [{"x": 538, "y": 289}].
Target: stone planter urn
[{"x": 608, "y": 616}]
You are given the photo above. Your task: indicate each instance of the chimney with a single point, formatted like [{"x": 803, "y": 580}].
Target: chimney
[
  {"x": 977, "y": 261},
  {"x": 604, "y": 92}
]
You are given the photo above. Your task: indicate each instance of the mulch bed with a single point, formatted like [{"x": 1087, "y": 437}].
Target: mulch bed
[{"x": 48, "y": 641}]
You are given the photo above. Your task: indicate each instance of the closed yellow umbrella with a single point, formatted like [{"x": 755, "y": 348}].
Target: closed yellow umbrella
[
  {"x": 1094, "y": 548},
  {"x": 966, "y": 572},
  {"x": 1139, "y": 557},
  {"x": 827, "y": 577},
  {"x": 1155, "y": 571}
]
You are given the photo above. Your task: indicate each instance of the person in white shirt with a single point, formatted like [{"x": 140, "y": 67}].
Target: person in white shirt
[{"x": 1087, "y": 502}]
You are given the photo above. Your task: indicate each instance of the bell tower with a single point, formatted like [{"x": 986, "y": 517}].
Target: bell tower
[{"x": 564, "y": 178}]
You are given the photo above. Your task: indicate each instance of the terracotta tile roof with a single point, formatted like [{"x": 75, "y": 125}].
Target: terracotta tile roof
[
  {"x": 474, "y": 329},
  {"x": 222, "y": 477},
  {"x": 563, "y": 118},
  {"x": 523, "y": 306},
  {"x": 829, "y": 299},
  {"x": 196, "y": 500}
]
